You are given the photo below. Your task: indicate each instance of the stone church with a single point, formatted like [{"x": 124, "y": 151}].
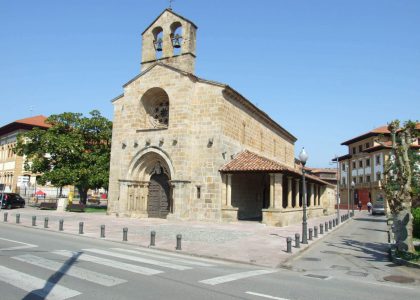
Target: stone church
[{"x": 188, "y": 148}]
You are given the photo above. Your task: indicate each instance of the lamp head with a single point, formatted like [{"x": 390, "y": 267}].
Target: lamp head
[{"x": 303, "y": 157}]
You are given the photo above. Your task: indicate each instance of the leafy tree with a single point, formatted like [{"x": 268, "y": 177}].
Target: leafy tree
[
  {"x": 401, "y": 181},
  {"x": 75, "y": 150}
]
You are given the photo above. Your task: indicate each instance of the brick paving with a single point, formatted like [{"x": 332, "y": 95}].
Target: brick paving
[{"x": 243, "y": 241}]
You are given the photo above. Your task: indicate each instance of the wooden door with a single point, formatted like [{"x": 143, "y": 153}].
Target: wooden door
[{"x": 159, "y": 196}]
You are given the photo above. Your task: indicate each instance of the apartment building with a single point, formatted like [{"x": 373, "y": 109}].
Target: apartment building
[
  {"x": 13, "y": 177},
  {"x": 364, "y": 166}
]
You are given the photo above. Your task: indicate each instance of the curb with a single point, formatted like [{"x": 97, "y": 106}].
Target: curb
[
  {"x": 401, "y": 261},
  {"x": 284, "y": 264}
]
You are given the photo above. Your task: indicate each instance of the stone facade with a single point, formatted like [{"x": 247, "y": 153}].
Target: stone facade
[{"x": 172, "y": 125}]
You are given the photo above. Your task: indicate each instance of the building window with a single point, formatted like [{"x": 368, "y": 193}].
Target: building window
[
  {"x": 354, "y": 180},
  {"x": 344, "y": 181},
  {"x": 378, "y": 159},
  {"x": 367, "y": 162},
  {"x": 361, "y": 179},
  {"x": 343, "y": 167},
  {"x": 198, "y": 192},
  {"x": 360, "y": 163},
  {"x": 367, "y": 145},
  {"x": 354, "y": 150},
  {"x": 156, "y": 104},
  {"x": 354, "y": 165},
  {"x": 367, "y": 178},
  {"x": 360, "y": 148},
  {"x": 378, "y": 176}
]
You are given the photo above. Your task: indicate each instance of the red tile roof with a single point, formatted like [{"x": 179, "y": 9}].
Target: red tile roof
[
  {"x": 247, "y": 161},
  {"x": 35, "y": 121}
]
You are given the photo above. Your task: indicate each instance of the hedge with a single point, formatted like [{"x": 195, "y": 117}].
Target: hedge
[{"x": 416, "y": 222}]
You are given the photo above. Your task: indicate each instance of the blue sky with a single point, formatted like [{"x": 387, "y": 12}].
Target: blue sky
[{"x": 325, "y": 70}]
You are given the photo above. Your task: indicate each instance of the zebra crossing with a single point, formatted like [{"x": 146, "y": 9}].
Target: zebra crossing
[{"x": 77, "y": 265}]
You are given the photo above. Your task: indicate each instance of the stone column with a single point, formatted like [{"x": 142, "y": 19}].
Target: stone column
[
  {"x": 228, "y": 190},
  {"x": 315, "y": 195},
  {"x": 289, "y": 192},
  {"x": 319, "y": 195},
  {"x": 311, "y": 199},
  {"x": 297, "y": 192},
  {"x": 276, "y": 191}
]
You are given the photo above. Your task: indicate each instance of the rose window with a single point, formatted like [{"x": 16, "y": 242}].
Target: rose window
[{"x": 160, "y": 114}]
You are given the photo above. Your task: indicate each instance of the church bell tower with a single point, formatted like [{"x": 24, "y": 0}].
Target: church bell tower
[{"x": 170, "y": 39}]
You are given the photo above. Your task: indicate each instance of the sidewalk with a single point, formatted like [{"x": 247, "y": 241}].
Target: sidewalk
[{"x": 243, "y": 241}]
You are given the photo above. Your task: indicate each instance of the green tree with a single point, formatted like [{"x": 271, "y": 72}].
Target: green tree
[
  {"x": 401, "y": 181},
  {"x": 75, "y": 150}
]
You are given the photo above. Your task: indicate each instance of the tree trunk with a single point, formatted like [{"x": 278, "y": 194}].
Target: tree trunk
[
  {"x": 403, "y": 230},
  {"x": 83, "y": 194}
]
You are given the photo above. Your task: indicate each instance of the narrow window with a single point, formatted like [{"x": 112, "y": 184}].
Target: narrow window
[
  {"x": 367, "y": 178},
  {"x": 378, "y": 159},
  {"x": 176, "y": 38},
  {"x": 360, "y": 148},
  {"x": 367, "y": 162},
  {"x": 354, "y": 165},
  {"x": 158, "y": 41},
  {"x": 361, "y": 179},
  {"x": 360, "y": 163},
  {"x": 343, "y": 167},
  {"x": 198, "y": 192},
  {"x": 367, "y": 145},
  {"x": 354, "y": 150}
]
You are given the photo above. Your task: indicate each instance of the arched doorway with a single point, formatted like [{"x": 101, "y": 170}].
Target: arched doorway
[{"x": 159, "y": 200}]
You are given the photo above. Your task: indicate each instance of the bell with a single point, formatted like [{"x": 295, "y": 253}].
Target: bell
[
  {"x": 158, "y": 45},
  {"x": 176, "y": 41}
]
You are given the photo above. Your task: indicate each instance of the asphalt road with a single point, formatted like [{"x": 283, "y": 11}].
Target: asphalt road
[{"x": 38, "y": 264}]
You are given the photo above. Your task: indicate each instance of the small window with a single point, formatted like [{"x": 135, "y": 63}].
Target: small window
[
  {"x": 343, "y": 167},
  {"x": 378, "y": 159},
  {"x": 367, "y": 145},
  {"x": 344, "y": 181},
  {"x": 361, "y": 179},
  {"x": 354, "y": 180},
  {"x": 367, "y": 178},
  {"x": 378, "y": 176},
  {"x": 360, "y": 148},
  {"x": 360, "y": 163},
  {"x": 354, "y": 150},
  {"x": 354, "y": 165},
  {"x": 198, "y": 192},
  {"x": 367, "y": 162}
]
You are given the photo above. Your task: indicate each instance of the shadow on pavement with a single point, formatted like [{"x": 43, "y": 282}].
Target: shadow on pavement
[
  {"x": 53, "y": 280},
  {"x": 371, "y": 220}
]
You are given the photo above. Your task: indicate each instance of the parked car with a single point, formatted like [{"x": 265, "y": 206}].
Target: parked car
[
  {"x": 10, "y": 200},
  {"x": 378, "y": 208}
]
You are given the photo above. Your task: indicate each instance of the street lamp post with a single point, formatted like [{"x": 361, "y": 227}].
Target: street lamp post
[
  {"x": 338, "y": 192},
  {"x": 352, "y": 192},
  {"x": 303, "y": 157}
]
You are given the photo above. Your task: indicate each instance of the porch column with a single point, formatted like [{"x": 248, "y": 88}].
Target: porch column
[
  {"x": 311, "y": 199},
  {"x": 276, "y": 191},
  {"x": 297, "y": 187},
  {"x": 319, "y": 195},
  {"x": 289, "y": 192},
  {"x": 228, "y": 190},
  {"x": 315, "y": 195}
]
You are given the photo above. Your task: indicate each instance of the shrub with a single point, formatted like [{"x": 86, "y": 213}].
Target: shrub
[{"x": 416, "y": 222}]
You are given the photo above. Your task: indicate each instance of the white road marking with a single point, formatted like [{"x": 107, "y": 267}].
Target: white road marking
[
  {"x": 211, "y": 261},
  {"x": 265, "y": 296},
  {"x": 73, "y": 271},
  {"x": 109, "y": 262},
  {"x": 34, "y": 285},
  {"x": 138, "y": 259},
  {"x": 17, "y": 247},
  {"x": 235, "y": 276},
  {"x": 179, "y": 260}
]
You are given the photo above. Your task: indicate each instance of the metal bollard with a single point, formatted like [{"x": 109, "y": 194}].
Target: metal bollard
[
  {"x": 329, "y": 225},
  {"x": 102, "y": 231},
  {"x": 5, "y": 217},
  {"x": 17, "y": 218},
  {"x": 125, "y": 231},
  {"x": 326, "y": 227},
  {"x": 178, "y": 242},
  {"x": 389, "y": 236},
  {"x": 61, "y": 225},
  {"x": 80, "y": 227},
  {"x": 152, "y": 238},
  {"x": 33, "y": 220},
  {"x": 46, "y": 222},
  {"x": 297, "y": 240},
  {"x": 321, "y": 228},
  {"x": 333, "y": 223},
  {"x": 289, "y": 244},
  {"x": 310, "y": 234},
  {"x": 336, "y": 222},
  {"x": 315, "y": 231}
]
